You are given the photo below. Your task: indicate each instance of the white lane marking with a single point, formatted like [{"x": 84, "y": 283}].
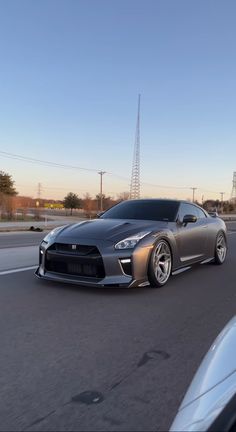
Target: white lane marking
[
  {"x": 5, "y": 272},
  {"x": 18, "y": 258}
]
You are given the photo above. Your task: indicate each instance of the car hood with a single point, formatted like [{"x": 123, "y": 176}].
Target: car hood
[{"x": 108, "y": 229}]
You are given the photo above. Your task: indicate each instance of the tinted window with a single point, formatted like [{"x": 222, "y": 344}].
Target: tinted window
[
  {"x": 189, "y": 209},
  {"x": 158, "y": 210}
]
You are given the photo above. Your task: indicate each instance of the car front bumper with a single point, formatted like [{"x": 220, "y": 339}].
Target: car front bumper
[{"x": 114, "y": 274}]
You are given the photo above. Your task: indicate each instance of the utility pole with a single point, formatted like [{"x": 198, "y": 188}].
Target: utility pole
[
  {"x": 101, "y": 173},
  {"x": 39, "y": 190},
  {"x": 193, "y": 189},
  {"x": 38, "y": 201}
]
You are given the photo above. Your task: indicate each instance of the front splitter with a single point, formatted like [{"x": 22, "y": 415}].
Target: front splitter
[{"x": 62, "y": 278}]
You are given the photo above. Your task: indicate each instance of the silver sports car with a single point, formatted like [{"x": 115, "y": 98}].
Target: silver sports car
[
  {"x": 135, "y": 243},
  {"x": 210, "y": 402}
]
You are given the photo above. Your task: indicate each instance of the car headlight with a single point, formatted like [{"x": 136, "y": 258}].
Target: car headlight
[
  {"x": 52, "y": 234},
  {"x": 130, "y": 242}
]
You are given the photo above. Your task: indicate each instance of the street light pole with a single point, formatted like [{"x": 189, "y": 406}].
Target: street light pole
[
  {"x": 101, "y": 173},
  {"x": 193, "y": 189}
]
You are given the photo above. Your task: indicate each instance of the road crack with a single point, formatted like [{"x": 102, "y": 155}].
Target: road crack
[{"x": 147, "y": 356}]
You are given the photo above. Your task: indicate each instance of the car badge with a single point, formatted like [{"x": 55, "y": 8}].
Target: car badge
[{"x": 73, "y": 247}]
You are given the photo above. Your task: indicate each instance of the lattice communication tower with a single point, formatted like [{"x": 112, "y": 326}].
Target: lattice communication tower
[
  {"x": 135, "y": 178},
  {"x": 233, "y": 193}
]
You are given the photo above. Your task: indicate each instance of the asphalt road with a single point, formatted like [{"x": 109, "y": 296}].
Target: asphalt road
[
  {"x": 46, "y": 224},
  {"x": 137, "y": 349},
  {"x": 21, "y": 239}
]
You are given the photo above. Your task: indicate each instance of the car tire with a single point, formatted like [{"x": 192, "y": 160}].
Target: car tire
[
  {"x": 160, "y": 264},
  {"x": 220, "y": 249}
]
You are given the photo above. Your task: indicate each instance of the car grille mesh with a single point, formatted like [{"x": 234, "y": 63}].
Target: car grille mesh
[{"x": 75, "y": 260}]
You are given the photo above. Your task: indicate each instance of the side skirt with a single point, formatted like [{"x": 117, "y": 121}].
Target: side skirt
[{"x": 183, "y": 269}]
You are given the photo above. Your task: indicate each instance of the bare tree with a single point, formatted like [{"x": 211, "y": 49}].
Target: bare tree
[
  {"x": 123, "y": 196},
  {"x": 88, "y": 205}
]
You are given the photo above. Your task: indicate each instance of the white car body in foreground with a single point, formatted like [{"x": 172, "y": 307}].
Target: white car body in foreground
[{"x": 210, "y": 402}]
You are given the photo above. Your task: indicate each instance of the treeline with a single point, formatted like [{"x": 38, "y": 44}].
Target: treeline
[
  {"x": 11, "y": 202},
  {"x": 221, "y": 207},
  {"x": 90, "y": 206}
]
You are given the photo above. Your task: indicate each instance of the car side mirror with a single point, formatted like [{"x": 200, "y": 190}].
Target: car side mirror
[{"x": 189, "y": 219}]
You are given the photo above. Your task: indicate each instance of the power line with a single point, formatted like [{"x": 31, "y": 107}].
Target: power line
[
  {"x": 164, "y": 186},
  {"x": 66, "y": 166},
  {"x": 57, "y": 165},
  {"x": 54, "y": 164},
  {"x": 209, "y": 191},
  {"x": 43, "y": 162}
]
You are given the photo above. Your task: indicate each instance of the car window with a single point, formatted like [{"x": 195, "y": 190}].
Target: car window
[
  {"x": 190, "y": 209},
  {"x": 200, "y": 213},
  {"x": 157, "y": 210},
  {"x": 187, "y": 209}
]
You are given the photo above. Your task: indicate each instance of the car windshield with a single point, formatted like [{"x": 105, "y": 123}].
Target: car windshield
[{"x": 156, "y": 210}]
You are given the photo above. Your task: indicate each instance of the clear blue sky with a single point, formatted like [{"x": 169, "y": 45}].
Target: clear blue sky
[{"x": 70, "y": 74}]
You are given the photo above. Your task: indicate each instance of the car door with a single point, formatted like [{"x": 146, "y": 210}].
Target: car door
[{"x": 191, "y": 238}]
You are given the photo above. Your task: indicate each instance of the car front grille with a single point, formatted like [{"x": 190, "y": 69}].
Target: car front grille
[
  {"x": 75, "y": 260},
  {"x": 80, "y": 250}
]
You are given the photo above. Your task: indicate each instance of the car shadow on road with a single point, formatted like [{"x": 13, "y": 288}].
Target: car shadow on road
[{"x": 111, "y": 291}]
